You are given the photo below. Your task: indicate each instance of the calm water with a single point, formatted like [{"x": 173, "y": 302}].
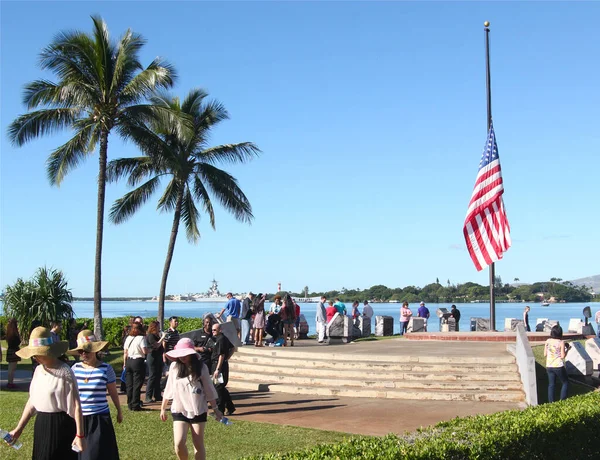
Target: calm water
[{"x": 560, "y": 312}]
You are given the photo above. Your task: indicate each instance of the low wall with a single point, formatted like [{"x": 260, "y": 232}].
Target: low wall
[{"x": 526, "y": 363}]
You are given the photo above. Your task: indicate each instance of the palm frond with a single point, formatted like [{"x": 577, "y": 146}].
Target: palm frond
[
  {"x": 69, "y": 155},
  {"x": 147, "y": 140},
  {"x": 72, "y": 57},
  {"x": 163, "y": 120},
  {"x": 229, "y": 153},
  {"x": 209, "y": 116},
  {"x": 190, "y": 216},
  {"x": 31, "y": 125},
  {"x": 136, "y": 169},
  {"x": 46, "y": 93},
  {"x": 225, "y": 188},
  {"x": 104, "y": 54},
  {"x": 193, "y": 101},
  {"x": 126, "y": 62},
  {"x": 168, "y": 200},
  {"x": 159, "y": 74},
  {"x": 128, "y": 204},
  {"x": 201, "y": 195}
]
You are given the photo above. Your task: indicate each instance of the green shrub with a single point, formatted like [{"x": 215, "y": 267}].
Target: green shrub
[
  {"x": 113, "y": 327},
  {"x": 565, "y": 429}
]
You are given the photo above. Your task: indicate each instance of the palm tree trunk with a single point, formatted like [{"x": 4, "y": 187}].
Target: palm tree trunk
[
  {"x": 99, "y": 233},
  {"x": 170, "y": 250}
]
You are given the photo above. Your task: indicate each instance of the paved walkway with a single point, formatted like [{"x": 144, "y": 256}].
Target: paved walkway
[{"x": 352, "y": 415}]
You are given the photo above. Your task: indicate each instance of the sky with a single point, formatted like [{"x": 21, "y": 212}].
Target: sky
[{"x": 371, "y": 118}]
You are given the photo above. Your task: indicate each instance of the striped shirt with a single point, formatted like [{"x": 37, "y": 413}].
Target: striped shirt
[
  {"x": 93, "y": 392},
  {"x": 172, "y": 339}
]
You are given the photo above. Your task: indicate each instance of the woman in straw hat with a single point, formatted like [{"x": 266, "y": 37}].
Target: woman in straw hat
[
  {"x": 94, "y": 378},
  {"x": 53, "y": 396},
  {"x": 190, "y": 388}
]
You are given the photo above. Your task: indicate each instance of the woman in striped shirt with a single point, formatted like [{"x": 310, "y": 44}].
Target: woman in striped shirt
[{"x": 94, "y": 378}]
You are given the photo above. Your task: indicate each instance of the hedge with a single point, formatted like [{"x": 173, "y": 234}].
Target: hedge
[
  {"x": 113, "y": 327},
  {"x": 562, "y": 430}
]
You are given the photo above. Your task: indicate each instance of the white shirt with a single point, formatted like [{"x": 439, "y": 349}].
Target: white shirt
[
  {"x": 368, "y": 311},
  {"x": 135, "y": 346},
  {"x": 54, "y": 390},
  {"x": 598, "y": 316},
  {"x": 182, "y": 392}
]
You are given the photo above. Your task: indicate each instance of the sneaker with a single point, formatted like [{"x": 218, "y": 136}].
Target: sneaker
[{"x": 148, "y": 401}]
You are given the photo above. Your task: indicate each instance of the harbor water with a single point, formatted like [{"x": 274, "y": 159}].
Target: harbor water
[{"x": 561, "y": 312}]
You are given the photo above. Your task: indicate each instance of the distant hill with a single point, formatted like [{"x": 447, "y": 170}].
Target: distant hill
[{"x": 590, "y": 281}]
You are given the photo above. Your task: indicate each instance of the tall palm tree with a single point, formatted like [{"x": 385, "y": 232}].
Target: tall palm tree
[
  {"x": 183, "y": 156},
  {"x": 101, "y": 86}
]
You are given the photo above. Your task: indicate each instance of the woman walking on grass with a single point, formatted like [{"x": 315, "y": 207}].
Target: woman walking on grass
[
  {"x": 190, "y": 387},
  {"x": 54, "y": 397},
  {"x": 555, "y": 352},
  {"x": 94, "y": 379}
]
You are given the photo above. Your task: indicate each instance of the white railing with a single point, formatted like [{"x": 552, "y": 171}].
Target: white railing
[{"x": 526, "y": 364}]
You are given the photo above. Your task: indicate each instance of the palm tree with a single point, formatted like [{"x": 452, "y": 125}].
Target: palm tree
[
  {"x": 100, "y": 87},
  {"x": 183, "y": 155}
]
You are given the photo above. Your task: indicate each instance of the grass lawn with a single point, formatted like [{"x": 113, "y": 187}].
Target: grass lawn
[{"x": 143, "y": 436}]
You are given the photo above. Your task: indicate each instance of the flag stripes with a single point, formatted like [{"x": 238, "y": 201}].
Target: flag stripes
[{"x": 486, "y": 228}]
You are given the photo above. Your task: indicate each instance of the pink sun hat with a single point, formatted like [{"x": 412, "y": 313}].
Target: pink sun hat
[{"x": 184, "y": 347}]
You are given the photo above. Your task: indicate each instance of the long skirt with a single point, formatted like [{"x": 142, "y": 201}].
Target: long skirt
[
  {"x": 100, "y": 438},
  {"x": 53, "y": 434}
]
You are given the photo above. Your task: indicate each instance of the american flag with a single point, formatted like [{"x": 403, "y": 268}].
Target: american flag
[{"x": 486, "y": 229}]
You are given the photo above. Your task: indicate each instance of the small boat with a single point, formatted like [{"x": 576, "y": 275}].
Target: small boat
[{"x": 545, "y": 304}]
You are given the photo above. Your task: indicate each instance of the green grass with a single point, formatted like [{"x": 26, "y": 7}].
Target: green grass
[
  {"x": 542, "y": 377},
  {"x": 143, "y": 436}
]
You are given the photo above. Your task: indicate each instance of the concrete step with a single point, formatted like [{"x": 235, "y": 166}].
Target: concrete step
[
  {"x": 380, "y": 383},
  {"x": 377, "y": 366},
  {"x": 396, "y": 371},
  {"x": 333, "y": 356},
  {"x": 418, "y": 394}
]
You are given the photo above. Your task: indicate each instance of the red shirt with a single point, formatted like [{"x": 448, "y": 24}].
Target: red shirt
[{"x": 330, "y": 311}]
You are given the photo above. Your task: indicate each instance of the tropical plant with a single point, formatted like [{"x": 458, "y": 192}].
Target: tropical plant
[
  {"x": 101, "y": 86},
  {"x": 184, "y": 156},
  {"x": 46, "y": 297}
]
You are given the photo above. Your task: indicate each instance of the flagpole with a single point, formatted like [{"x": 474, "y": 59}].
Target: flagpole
[{"x": 488, "y": 88}]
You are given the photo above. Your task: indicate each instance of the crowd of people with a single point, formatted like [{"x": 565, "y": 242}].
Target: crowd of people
[{"x": 70, "y": 401}]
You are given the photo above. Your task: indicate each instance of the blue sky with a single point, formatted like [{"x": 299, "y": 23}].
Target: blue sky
[{"x": 371, "y": 118}]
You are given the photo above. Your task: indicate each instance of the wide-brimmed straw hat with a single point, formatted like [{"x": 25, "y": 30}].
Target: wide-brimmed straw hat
[
  {"x": 184, "y": 347},
  {"x": 86, "y": 341},
  {"x": 41, "y": 343}
]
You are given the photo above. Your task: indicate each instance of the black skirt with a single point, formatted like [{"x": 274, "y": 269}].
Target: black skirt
[
  {"x": 100, "y": 438},
  {"x": 53, "y": 435}
]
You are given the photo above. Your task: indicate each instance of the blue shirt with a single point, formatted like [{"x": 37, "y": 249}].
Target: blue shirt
[
  {"x": 233, "y": 308},
  {"x": 340, "y": 307},
  {"x": 93, "y": 391},
  {"x": 423, "y": 312}
]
